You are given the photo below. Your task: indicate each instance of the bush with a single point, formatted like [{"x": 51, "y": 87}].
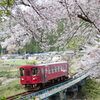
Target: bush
[
  {"x": 2, "y": 97},
  {"x": 91, "y": 90},
  {"x": 9, "y": 75},
  {"x": 0, "y": 82},
  {"x": 32, "y": 62},
  {"x": 3, "y": 73}
]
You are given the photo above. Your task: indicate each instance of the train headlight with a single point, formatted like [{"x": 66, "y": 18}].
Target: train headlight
[
  {"x": 22, "y": 79},
  {"x": 34, "y": 78}
]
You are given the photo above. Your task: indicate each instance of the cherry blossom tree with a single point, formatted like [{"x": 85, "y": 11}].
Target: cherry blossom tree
[{"x": 38, "y": 18}]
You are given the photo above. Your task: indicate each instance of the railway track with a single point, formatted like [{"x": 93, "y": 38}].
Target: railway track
[
  {"x": 18, "y": 95},
  {"x": 26, "y": 93}
]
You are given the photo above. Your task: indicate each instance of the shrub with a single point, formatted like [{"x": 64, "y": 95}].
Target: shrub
[
  {"x": 9, "y": 75},
  {"x": 91, "y": 90},
  {"x": 3, "y": 73},
  {"x": 2, "y": 97},
  {"x": 0, "y": 82},
  {"x": 32, "y": 62}
]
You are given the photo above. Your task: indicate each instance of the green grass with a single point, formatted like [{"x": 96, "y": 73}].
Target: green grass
[
  {"x": 10, "y": 74},
  {"x": 3, "y": 73},
  {"x": 20, "y": 62},
  {"x": 11, "y": 89},
  {"x": 2, "y": 97}
]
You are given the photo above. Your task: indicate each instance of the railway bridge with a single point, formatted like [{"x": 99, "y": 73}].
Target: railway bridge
[{"x": 73, "y": 84}]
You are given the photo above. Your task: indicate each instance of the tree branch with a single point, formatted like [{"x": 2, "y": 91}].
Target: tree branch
[{"x": 85, "y": 19}]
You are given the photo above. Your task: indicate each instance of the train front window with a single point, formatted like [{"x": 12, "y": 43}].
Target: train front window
[
  {"x": 34, "y": 71},
  {"x": 21, "y": 72},
  {"x": 27, "y": 73}
]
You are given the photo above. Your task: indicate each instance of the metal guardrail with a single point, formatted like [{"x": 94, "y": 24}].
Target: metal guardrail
[{"x": 54, "y": 89}]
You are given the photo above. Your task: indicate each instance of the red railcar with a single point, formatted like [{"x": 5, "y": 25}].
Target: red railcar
[{"x": 36, "y": 75}]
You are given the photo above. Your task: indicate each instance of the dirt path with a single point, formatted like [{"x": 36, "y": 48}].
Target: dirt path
[{"x": 6, "y": 81}]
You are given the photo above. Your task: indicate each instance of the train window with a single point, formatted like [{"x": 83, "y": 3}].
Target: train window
[
  {"x": 21, "y": 72},
  {"x": 58, "y": 68},
  {"x": 52, "y": 69},
  {"x": 49, "y": 70},
  {"x": 62, "y": 68},
  {"x": 27, "y": 73},
  {"x": 55, "y": 68},
  {"x": 34, "y": 71}
]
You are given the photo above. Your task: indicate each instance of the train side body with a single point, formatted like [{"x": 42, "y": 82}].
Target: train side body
[{"x": 58, "y": 71}]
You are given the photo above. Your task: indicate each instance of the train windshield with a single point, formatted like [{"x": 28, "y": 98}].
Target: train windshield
[
  {"x": 34, "y": 71},
  {"x": 21, "y": 72},
  {"x": 27, "y": 73}
]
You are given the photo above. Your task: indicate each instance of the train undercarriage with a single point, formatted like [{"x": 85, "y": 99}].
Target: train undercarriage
[{"x": 34, "y": 87}]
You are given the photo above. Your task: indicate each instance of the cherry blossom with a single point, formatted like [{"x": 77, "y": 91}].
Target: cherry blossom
[{"x": 35, "y": 19}]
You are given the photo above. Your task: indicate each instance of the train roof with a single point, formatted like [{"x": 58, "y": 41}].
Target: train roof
[
  {"x": 50, "y": 63},
  {"x": 43, "y": 64}
]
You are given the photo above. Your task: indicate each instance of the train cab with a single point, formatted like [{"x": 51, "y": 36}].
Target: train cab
[{"x": 30, "y": 76}]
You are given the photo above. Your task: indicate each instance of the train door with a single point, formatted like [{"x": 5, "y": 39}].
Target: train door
[
  {"x": 67, "y": 69},
  {"x": 43, "y": 75},
  {"x": 28, "y": 76}
]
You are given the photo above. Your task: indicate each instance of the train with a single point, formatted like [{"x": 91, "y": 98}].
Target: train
[{"x": 33, "y": 77}]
